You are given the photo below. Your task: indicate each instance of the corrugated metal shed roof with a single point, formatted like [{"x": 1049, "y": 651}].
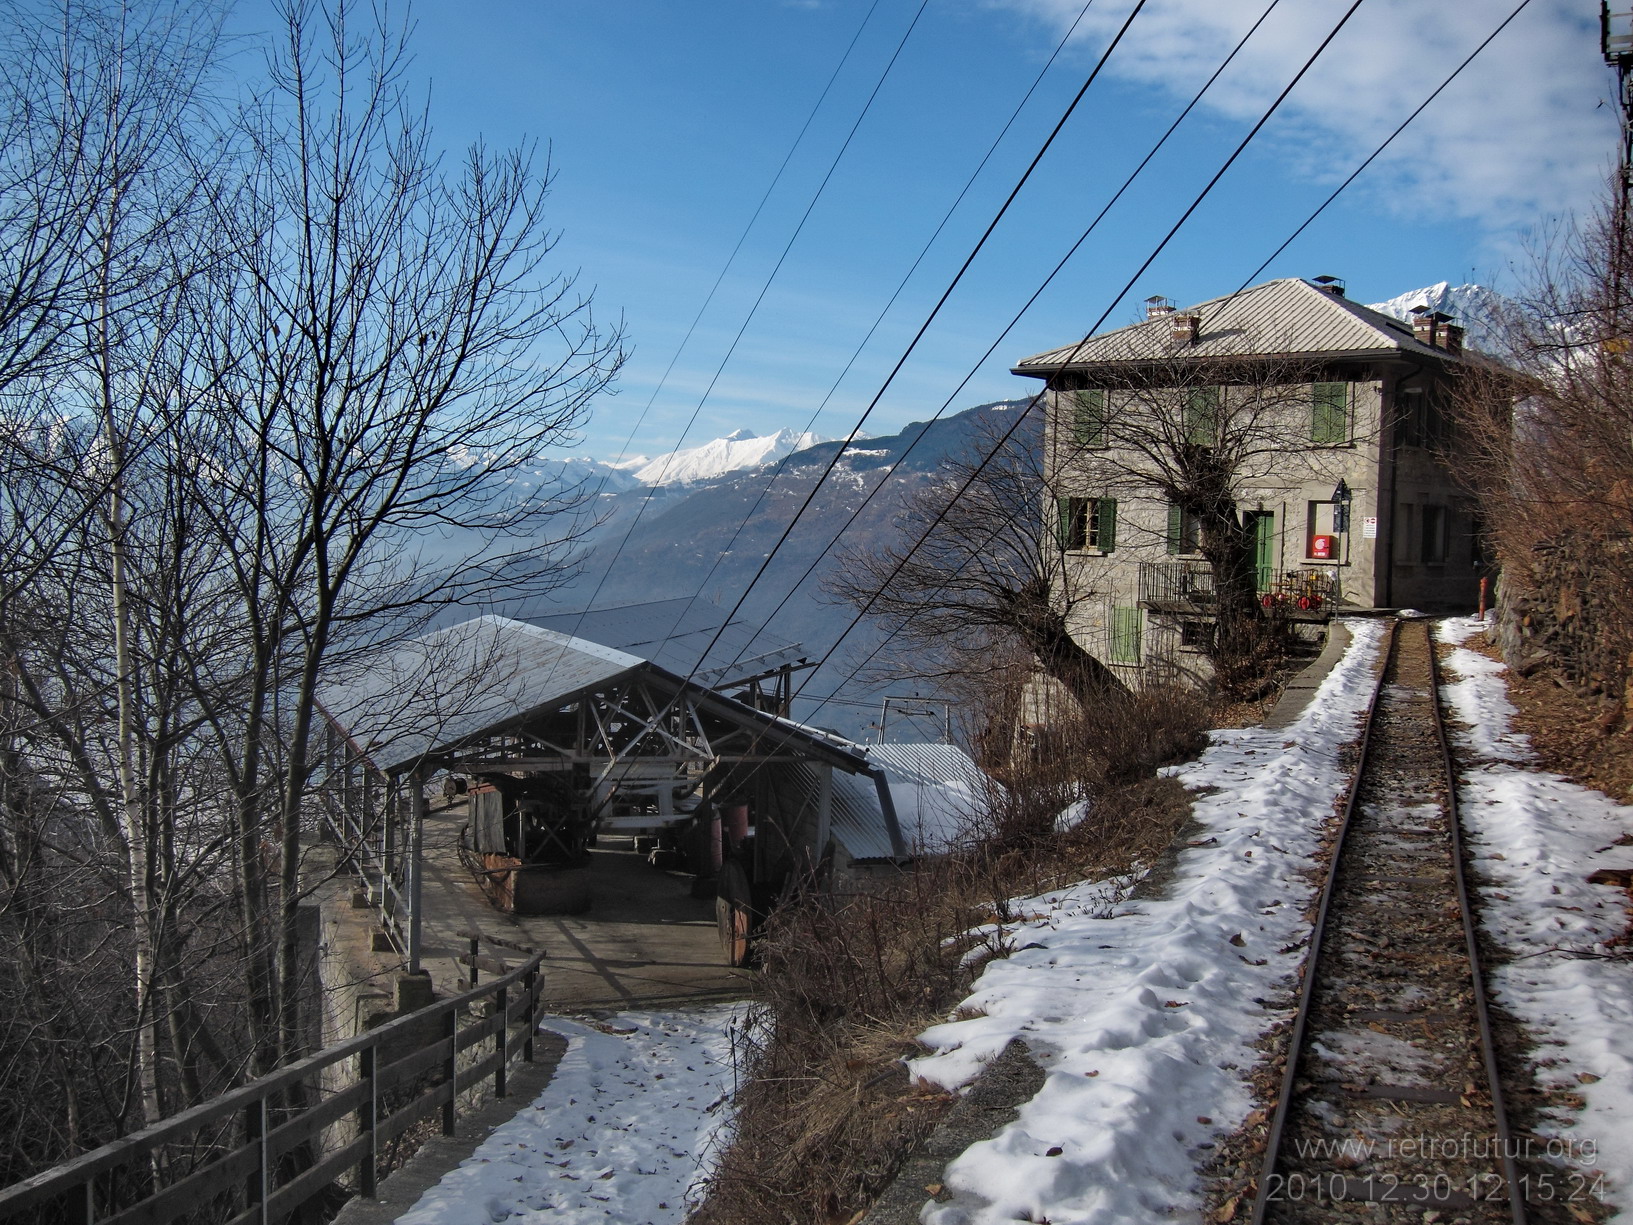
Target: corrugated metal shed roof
[
  {"x": 856, "y": 820},
  {"x": 1287, "y": 316},
  {"x": 938, "y": 792},
  {"x": 431, "y": 694},
  {"x": 688, "y": 637}
]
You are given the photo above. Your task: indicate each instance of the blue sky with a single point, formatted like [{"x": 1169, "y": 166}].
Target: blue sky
[{"x": 665, "y": 122}]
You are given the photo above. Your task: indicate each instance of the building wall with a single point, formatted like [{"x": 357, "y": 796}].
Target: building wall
[{"x": 1409, "y": 542}]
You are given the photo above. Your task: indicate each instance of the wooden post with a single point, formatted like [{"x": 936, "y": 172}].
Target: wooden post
[
  {"x": 501, "y": 1042},
  {"x": 258, "y": 1189},
  {"x": 368, "y": 1114},
  {"x": 476, "y": 944},
  {"x": 450, "y": 1108},
  {"x": 416, "y": 855},
  {"x": 531, "y": 983}
]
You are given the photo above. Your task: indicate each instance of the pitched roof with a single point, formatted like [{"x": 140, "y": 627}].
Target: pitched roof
[
  {"x": 1283, "y": 317},
  {"x": 431, "y": 693}
]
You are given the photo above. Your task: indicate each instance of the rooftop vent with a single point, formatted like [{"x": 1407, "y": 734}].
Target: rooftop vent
[
  {"x": 1331, "y": 284},
  {"x": 1156, "y": 306}
]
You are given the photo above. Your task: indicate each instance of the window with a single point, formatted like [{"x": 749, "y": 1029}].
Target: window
[
  {"x": 1126, "y": 626},
  {"x": 1329, "y": 413},
  {"x": 1195, "y": 635},
  {"x": 1184, "y": 531},
  {"x": 1089, "y": 419},
  {"x": 1086, "y": 523},
  {"x": 1433, "y": 520},
  {"x": 1202, "y": 416}
]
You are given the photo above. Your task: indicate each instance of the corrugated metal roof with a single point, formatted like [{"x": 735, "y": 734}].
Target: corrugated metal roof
[
  {"x": 1287, "y": 316},
  {"x": 688, "y": 637},
  {"x": 432, "y": 693},
  {"x": 938, "y": 791},
  {"x": 856, "y": 819}
]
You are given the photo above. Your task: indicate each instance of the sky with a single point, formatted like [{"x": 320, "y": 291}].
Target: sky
[{"x": 665, "y": 125}]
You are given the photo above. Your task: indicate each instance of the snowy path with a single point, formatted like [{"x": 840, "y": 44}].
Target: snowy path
[
  {"x": 623, "y": 1130},
  {"x": 1144, "y": 1014},
  {"x": 1536, "y": 838}
]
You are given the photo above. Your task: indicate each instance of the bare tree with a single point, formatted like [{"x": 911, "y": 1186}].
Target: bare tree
[
  {"x": 980, "y": 571},
  {"x": 385, "y": 345},
  {"x": 1546, "y": 451}
]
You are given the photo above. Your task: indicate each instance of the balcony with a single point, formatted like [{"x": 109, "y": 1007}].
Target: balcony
[{"x": 1306, "y": 593}]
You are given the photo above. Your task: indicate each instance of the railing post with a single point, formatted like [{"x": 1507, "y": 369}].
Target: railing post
[
  {"x": 501, "y": 1041},
  {"x": 531, "y": 983},
  {"x": 450, "y": 1108},
  {"x": 476, "y": 948},
  {"x": 368, "y": 1115},
  {"x": 87, "y": 1213},
  {"x": 255, "y": 1133}
]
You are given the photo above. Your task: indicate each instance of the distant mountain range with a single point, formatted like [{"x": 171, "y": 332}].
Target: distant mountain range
[{"x": 707, "y": 533}]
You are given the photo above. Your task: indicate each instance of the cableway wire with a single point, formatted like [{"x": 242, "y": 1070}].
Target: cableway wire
[
  {"x": 1305, "y": 224},
  {"x": 1015, "y": 320},
  {"x": 764, "y": 289},
  {"x": 919, "y": 335},
  {"x": 856, "y": 353},
  {"x": 1095, "y": 327}
]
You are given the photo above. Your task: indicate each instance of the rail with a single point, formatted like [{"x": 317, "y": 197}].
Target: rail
[
  {"x": 1513, "y": 1185},
  {"x": 1188, "y": 587},
  {"x": 261, "y": 1152}
]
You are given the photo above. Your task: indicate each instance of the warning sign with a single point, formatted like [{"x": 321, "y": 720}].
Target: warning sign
[{"x": 1369, "y": 528}]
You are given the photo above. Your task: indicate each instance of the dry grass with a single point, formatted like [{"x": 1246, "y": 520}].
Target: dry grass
[{"x": 827, "y": 1112}]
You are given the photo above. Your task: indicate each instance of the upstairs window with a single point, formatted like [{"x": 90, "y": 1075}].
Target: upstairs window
[
  {"x": 1329, "y": 414},
  {"x": 1184, "y": 532},
  {"x": 1202, "y": 416},
  {"x": 1089, "y": 430},
  {"x": 1086, "y": 523}
]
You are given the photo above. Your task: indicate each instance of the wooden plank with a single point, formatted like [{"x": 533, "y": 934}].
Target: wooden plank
[
  {"x": 401, "y": 1119},
  {"x": 295, "y": 1193},
  {"x": 199, "y": 1187},
  {"x": 305, "y": 1126}
]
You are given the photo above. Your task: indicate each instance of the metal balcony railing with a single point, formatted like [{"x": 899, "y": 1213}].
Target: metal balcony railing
[{"x": 1187, "y": 587}]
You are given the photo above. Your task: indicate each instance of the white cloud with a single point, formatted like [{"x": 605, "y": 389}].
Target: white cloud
[{"x": 1520, "y": 132}]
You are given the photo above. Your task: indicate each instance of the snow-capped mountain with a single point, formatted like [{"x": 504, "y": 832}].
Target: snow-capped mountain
[
  {"x": 735, "y": 452},
  {"x": 1473, "y": 306}
]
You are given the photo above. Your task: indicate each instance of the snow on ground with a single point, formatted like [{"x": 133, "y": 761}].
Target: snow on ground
[
  {"x": 1143, "y": 1014},
  {"x": 1536, "y": 838},
  {"x": 624, "y": 1128}
]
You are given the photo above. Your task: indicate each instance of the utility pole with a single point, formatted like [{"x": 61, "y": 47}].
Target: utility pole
[{"x": 1616, "y": 42}]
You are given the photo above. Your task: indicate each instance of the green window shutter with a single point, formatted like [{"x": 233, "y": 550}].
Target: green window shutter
[
  {"x": 1126, "y": 635},
  {"x": 1329, "y": 414},
  {"x": 1105, "y": 528},
  {"x": 1176, "y": 528},
  {"x": 1063, "y": 523},
  {"x": 1089, "y": 419},
  {"x": 1202, "y": 416}
]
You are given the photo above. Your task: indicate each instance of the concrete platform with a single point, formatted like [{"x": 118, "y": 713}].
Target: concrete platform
[
  {"x": 644, "y": 941},
  {"x": 1296, "y": 697}
]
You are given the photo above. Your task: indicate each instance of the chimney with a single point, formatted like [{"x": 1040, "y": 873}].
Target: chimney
[
  {"x": 1156, "y": 306},
  {"x": 1423, "y": 325},
  {"x": 1452, "y": 338},
  {"x": 1330, "y": 284},
  {"x": 1185, "y": 329}
]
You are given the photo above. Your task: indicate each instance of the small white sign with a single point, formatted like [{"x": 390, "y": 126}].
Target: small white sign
[{"x": 1369, "y": 528}]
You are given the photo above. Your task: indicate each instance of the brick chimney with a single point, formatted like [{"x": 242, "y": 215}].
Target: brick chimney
[
  {"x": 1423, "y": 325},
  {"x": 1452, "y": 338},
  {"x": 1156, "y": 306},
  {"x": 1185, "y": 329}
]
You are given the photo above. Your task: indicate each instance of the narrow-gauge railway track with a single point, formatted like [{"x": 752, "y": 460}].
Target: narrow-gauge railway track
[{"x": 1391, "y": 1104}]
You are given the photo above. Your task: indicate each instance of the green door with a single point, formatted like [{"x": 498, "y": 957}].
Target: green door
[{"x": 1262, "y": 523}]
